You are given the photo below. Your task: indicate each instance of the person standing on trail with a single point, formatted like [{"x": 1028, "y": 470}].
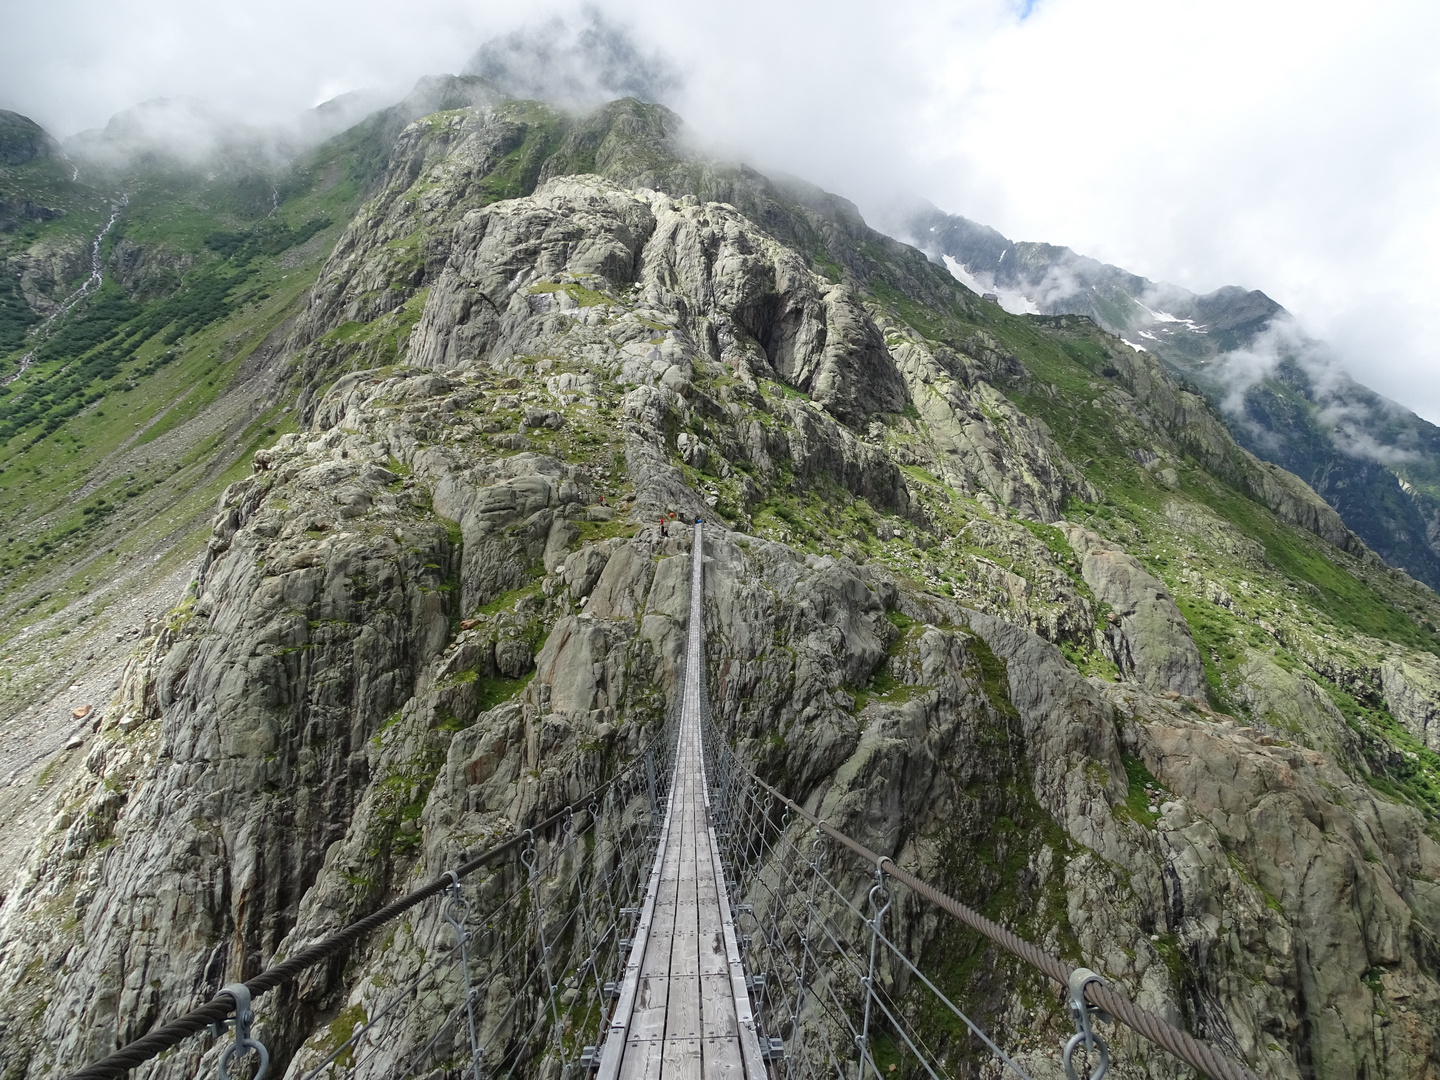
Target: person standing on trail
[{"x": 664, "y": 526}]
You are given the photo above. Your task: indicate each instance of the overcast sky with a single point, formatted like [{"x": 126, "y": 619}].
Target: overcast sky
[{"x": 1292, "y": 147}]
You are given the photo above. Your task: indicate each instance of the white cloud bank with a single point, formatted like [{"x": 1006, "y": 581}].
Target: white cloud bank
[{"x": 1283, "y": 145}]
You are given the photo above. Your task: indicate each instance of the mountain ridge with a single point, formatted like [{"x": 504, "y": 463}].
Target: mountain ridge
[{"x": 1285, "y": 396}]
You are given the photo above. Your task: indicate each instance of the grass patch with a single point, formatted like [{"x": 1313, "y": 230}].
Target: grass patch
[
  {"x": 1335, "y": 592},
  {"x": 884, "y": 689},
  {"x": 507, "y": 600},
  {"x": 1400, "y": 766},
  {"x": 340, "y": 1030},
  {"x": 899, "y": 620},
  {"x": 1137, "y": 801},
  {"x": 582, "y": 296},
  {"x": 498, "y": 690}
]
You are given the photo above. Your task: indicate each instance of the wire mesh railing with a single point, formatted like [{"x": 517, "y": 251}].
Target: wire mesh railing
[
  {"x": 834, "y": 984},
  {"x": 831, "y": 983},
  {"x": 519, "y": 965},
  {"x": 503, "y": 967}
]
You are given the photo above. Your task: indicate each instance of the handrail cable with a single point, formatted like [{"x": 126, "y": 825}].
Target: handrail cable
[
  {"x": 1200, "y": 1055},
  {"x": 116, "y": 1064}
]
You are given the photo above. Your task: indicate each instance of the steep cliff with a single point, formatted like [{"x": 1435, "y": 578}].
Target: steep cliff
[{"x": 992, "y": 591}]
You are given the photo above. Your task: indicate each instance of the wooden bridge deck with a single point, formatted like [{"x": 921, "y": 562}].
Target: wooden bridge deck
[{"x": 683, "y": 1010}]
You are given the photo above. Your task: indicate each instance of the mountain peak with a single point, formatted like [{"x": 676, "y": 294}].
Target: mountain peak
[
  {"x": 22, "y": 140},
  {"x": 575, "y": 65}
]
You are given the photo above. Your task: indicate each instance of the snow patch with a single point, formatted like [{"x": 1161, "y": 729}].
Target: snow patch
[
  {"x": 1137, "y": 348},
  {"x": 1166, "y": 317},
  {"x": 1013, "y": 302}
]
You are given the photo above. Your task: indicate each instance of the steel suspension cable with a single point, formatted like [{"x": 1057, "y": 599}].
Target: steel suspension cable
[
  {"x": 115, "y": 1065},
  {"x": 1200, "y": 1055}
]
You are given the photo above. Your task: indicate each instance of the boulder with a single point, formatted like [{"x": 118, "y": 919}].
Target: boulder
[{"x": 1153, "y": 645}]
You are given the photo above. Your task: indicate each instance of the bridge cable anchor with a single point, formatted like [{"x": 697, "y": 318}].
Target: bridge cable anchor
[
  {"x": 879, "y": 905},
  {"x": 243, "y": 1044},
  {"x": 1082, "y": 1012}
]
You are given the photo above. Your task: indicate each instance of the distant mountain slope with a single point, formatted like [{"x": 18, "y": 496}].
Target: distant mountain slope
[{"x": 1283, "y": 394}]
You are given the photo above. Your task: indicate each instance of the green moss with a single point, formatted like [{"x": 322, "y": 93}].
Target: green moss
[
  {"x": 1168, "y": 946},
  {"x": 930, "y": 323},
  {"x": 986, "y": 852},
  {"x": 339, "y": 1031},
  {"x": 884, "y": 689},
  {"x": 917, "y": 473},
  {"x": 899, "y": 620},
  {"x": 1309, "y": 561},
  {"x": 498, "y": 690},
  {"x": 591, "y": 531},
  {"x": 582, "y": 296},
  {"x": 453, "y": 531},
  {"x": 994, "y": 676},
  {"x": 1052, "y": 538},
  {"x": 1137, "y": 803},
  {"x": 516, "y": 173},
  {"x": 1271, "y": 902},
  {"x": 507, "y": 600},
  {"x": 1411, "y": 776},
  {"x": 821, "y": 261},
  {"x": 51, "y": 768}
]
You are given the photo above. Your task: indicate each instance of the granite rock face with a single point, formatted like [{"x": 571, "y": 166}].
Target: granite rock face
[
  {"x": 815, "y": 338},
  {"x": 1152, "y": 643},
  {"x": 446, "y": 608},
  {"x": 1412, "y": 690}
]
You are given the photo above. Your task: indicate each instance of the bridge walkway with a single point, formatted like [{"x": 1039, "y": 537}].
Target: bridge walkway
[{"x": 684, "y": 1011}]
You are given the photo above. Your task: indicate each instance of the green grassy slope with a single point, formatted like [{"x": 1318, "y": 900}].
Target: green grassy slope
[
  {"x": 1308, "y": 606},
  {"x": 138, "y": 410}
]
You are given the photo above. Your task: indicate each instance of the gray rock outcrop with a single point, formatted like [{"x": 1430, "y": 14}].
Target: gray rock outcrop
[
  {"x": 1151, "y": 640},
  {"x": 1412, "y": 690}
]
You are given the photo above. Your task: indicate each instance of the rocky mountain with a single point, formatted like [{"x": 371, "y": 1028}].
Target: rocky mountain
[
  {"x": 1285, "y": 396},
  {"x": 23, "y": 140},
  {"x": 998, "y": 592}
]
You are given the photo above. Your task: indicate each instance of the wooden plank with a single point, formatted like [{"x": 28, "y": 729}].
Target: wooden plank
[
  {"x": 720, "y": 1059},
  {"x": 680, "y": 1059},
  {"x": 684, "y": 947},
  {"x": 710, "y": 954},
  {"x": 747, "y": 1041},
  {"x": 710, "y": 946},
  {"x": 612, "y": 1055},
  {"x": 717, "y": 1009},
  {"x": 647, "y": 1020},
  {"x": 656, "y": 961},
  {"x": 682, "y": 1017},
  {"x": 642, "y": 1061}
]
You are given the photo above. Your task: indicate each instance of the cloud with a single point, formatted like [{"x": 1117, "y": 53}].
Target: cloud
[
  {"x": 1058, "y": 284},
  {"x": 1350, "y": 414},
  {"x": 1299, "y": 155},
  {"x": 576, "y": 63},
  {"x": 1244, "y": 369}
]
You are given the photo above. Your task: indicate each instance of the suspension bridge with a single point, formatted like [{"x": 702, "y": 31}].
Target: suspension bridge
[{"x": 683, "y": 920}]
